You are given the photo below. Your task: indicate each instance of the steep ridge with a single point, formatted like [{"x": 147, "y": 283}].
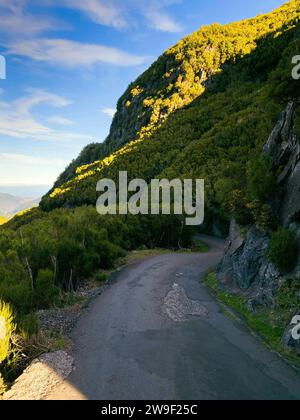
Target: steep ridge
[
  {"x": 181, "y": 75},
  {"x": 220, "y": 133}
]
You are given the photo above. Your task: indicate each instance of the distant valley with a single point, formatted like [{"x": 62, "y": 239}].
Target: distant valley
[{"x": 11, "y": 205}]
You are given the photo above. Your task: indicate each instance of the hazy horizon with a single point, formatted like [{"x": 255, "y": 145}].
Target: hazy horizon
[{"x": 25, "y": 191}]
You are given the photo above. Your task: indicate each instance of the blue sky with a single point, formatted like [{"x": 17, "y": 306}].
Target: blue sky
[{"x": 68, "y": 62}]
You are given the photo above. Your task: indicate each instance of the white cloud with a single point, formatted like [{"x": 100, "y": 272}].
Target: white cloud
[
  {"x": 16, "y": 20},
  {"x": 71, "y": 54},
  {"x": 102, "y": 12},
  {"x": 38, "y": 97},
  {"x": 160, "y": 21},
  {"x": 109, "y": 111},
  {"x": 60, "y": 121},
  {"x": 17, "y": 121},
  {"x": 119, "y": 14}
]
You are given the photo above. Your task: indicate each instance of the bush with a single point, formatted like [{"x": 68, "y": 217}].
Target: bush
[
  {"x": 19, "y": 295},
  {"x": 7, "y": 328},
  {"x": 29, "y": 326},
  {"x": 283, "y": 250},
  {"x": 45, "y": 293},
  {"x": 237, "y": 206},
  {"x": 263, "y": 216},
  {"x": 288, "y": 299},
  {"x": 261, "y": 179},
  {"x": 109, "y": 253},
  {"x": 101, "y": 277}
]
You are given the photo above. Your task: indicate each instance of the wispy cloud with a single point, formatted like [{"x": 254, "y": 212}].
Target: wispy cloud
[
  {"x": 160, "y": 21},
  {"x": 17, "y": 120},
  {"x": 17, "y": 20},
  {"x": 109, "y": 111},
  {"x": 72, "y": 54},
  {"x": 107, "y": 13},
  {"x": 37, "y": 97},
  {"x": 60, "y": 121},
  {"x": 15, "y": 158},
  {"x": 120, "y": 14}
]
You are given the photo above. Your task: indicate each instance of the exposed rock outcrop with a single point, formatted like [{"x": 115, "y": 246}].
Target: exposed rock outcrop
[
  {"x": 284, "y": 149},
  {"x": 246, "y": 267},
  {"x": 245, "y": 264}
]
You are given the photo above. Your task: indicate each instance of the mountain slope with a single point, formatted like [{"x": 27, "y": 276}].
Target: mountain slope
[
  {"x": 181, "y": 75},
  {"x": 219, "y": 136}
]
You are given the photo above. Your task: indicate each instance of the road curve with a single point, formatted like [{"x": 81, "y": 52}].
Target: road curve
[{"x": 158, "y": 333}]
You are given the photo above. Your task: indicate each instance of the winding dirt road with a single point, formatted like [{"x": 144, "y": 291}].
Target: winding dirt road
[{"x": 158, "y": 333}]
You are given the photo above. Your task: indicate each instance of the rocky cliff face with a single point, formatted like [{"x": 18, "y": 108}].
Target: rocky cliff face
[
  {"x": 284, "y": 149},
  {"x": 246, "y": 266}
]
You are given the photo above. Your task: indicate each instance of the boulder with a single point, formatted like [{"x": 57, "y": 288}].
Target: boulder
[{"x": 245, "y": 262}]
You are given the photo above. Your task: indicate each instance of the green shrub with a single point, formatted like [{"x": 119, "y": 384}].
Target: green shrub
[
  {"x": 109, "y": 253},
  {"x": 288, "y": 299},
  {"x": 29, "y": 326},
  {"x": 263, "y": 216},
  {"x": 101, "y": 277},
  {"x": 19, "y": 295},
  {"x": 261, "y": 179},
  {"x": 7, "y": 328},
  {"x": 237, "y": 206},
  {"x": 45, "y": 293},
  {"x": 283, "y": 250}
]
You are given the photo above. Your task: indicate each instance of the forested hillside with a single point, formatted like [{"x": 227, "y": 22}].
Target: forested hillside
[
  {"x": 219, "y": 136},
  {"x": 205, "y": 109},
  {"x": 183, "y": 73}
]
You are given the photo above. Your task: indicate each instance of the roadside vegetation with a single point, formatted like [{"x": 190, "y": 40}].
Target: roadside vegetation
[
  {"x": 44, "y": 261},
  {"x": 268, "y": 324}
]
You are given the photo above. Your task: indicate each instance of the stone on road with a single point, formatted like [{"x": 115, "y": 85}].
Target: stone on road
[{"x": 158, "y": 333}]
